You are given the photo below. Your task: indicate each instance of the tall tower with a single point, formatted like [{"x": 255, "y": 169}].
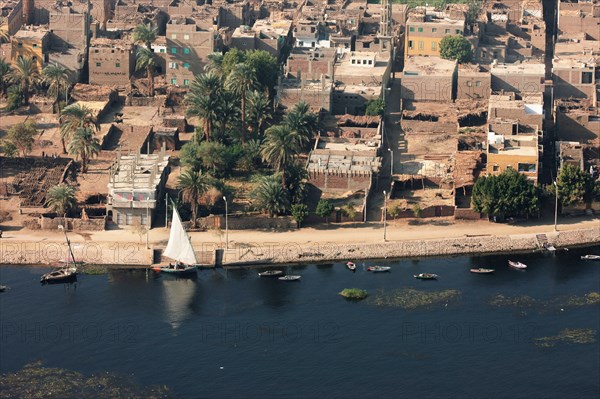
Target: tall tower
[
  {"x": 385, "y": 26},
  {"x": 28, "y": 12}
]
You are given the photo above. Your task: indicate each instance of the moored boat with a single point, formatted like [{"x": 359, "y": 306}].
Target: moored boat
[
  {"x": 180, "y": 249},
  {"x": 66, "y": 274},
  {"x": 271, "y": 273},
  {"x": 482, "y": 270},
  {"x": 590, "y": 257},
  {"x": 290, "y": 278},
  {"x": 351, "y": 266},
  {"x": 426, "y": 276},
  {"x": 3, "y": 288},
  {"x": 378, "y": 269},
  {"x": 517, "y": 265}
]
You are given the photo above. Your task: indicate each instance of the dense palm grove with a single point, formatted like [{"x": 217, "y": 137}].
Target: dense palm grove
[{"x": 240, "y": 134}]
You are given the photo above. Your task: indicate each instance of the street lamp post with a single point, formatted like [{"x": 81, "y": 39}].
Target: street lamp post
[
  {"x": 384, "y": 216},
  {"x": 226, "y": 225},
  {"x": 391, "y": 162},
  {"x": 166, "y": 210},
  {"x": 555, "y": 206}
]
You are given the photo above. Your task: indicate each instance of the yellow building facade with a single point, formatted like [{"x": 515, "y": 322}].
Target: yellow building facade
[
  {"x": 424, "y": 34},
  {"x": 31, "y": 43}
]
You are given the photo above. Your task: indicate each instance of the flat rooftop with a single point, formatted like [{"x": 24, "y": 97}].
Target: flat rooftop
[
  {"x": 272, "y": 28},
  {"x": 520, "y": 145},
  {"x": 325, "y": 162},
  {"x": 519, "y": 69},
  {"x": 31, "y": 32},
  {"x": 428, "y": 66}
]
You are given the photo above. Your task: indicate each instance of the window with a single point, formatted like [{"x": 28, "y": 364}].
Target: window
[
  {"x": 173, "y": 36},
  {"x": 186, "y": 65},
  {"x": 447, "y": 31},
  {"x": 162, "y": 50},
  {"x": 129, "y": 219},
  {"x": 434, "y": 46},
  {"x": 173, "y": 81},
  {"x": 469, "y": 84},
  {"x": 370, "y": 62},
  {"x": 353, "y": 62},
  {"x": 173, "y": 50},
  {"x": 120, "y": 218},
  {"x": 433, "y": 30},
  {"x": 421, "y": 44},
  {"x": 19, "y": 45},
  {"x": 586, "y": 77},
  {"x": 172, "y": 65},
  {"x": 144, "y": 220},
  {"x": 410, "y": 44},
  {"x": 186, "y": 50},
  {"x": 96, "y": 51},
  {"x": 527, "y": 167},
  {"x": 458, "y": 31},
  {"x": 98, "y": 64},
  {"x": 117, "y": 65},
  {"x": 34, "y": 45},
  {"x": 186, "y": 37},
  {"x": 411, "y": 29},
  {"x": 186, "y": 82},
  {"x": 420, "y": 29},
  {"x": 300, "y": 43},
  {"x": 478, "y": 83},
  {"x": 496, "y": 168}
]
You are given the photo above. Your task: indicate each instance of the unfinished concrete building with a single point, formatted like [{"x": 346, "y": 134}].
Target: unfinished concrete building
[
  {"x": 270, "y": 36},
  {"x": 310, "y": 64},
  {"x": 577, "y": 120},
  {"x": 136, "y": 185},
  {"x": 12, "y": 12}
]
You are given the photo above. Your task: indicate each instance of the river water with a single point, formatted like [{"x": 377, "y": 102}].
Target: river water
[{"x": 231, "y": 334}]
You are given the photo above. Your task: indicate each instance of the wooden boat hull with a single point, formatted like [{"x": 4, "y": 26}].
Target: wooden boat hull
[
  {"x": 379, "y": 269},
  {"x": 351, "y": 266},
  {"x": 591, "y": 257},
  {"x": 482, "y": 271},
  {"x": 57, "y": 279},
  {"x": 289, "y": 278},
  {"x": 2, "y": 288},
  {"x": 188, "y": 271},
  {"x": 271, "y": 273},
  {"x": 517, "y": 265},
  {"x": 426, "y": 276}
]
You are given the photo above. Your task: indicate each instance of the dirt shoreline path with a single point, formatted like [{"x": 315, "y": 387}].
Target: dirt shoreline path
[{"x": 324, "y": 243}]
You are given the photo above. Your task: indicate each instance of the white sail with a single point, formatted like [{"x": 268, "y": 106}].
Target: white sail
[{"x": 179, "y": 247}]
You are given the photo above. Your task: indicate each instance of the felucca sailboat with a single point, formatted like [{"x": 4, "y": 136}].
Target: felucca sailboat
[{"x": 179, "y": 248}]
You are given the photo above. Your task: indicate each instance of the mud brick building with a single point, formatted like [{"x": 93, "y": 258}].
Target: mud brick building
[
  {"x": 111, "y": 62},
  {"x": 428, "y": 79}
]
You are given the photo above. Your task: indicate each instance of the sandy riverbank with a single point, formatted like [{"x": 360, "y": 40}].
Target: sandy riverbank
[{"x": 287, "y": 247}]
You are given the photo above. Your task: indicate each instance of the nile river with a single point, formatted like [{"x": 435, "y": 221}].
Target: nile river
[{"x": 231, "y": 334}]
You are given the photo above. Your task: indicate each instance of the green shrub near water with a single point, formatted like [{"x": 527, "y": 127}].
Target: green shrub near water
[{"x": 354, "y": 293}]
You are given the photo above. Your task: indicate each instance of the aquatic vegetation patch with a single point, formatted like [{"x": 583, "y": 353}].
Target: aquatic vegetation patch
[
  {"x": 524, "y": 301},
  {"x": 355, "y": 294},
  {"x": 569, "y": 336},
  {"x": 37, "y": 381},
  {"x": 93, "y": 270},
  {"x": 520, "y": 301},
  {"x": 410, "y": 298}
]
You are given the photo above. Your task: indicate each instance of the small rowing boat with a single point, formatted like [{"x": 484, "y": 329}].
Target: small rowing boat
[
  {"x": 270, "y": 273},
  {"x": 481, "y": 270},
  {"x": 3, "y": 288},
  {"x": 517, "y": 265},
  {"x": 351, "y": 266},
  {"x": 66, "y": 274},
  {"x": 378, "y": 269},
  {"x": 590, "y": 257},
  {"x": 426, "y": 276},
  {"x": 290, "y": 278}
]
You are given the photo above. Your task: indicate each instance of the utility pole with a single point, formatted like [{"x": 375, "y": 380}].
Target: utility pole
[
  {"x": 384, "y": 216},
  {"x": 555, "y": 206},
  {"x": 226, "y": 225},
  {"x": 166, "y": 210}
]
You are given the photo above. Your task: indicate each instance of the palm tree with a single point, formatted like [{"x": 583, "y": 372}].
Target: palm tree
[
  {"x": 85, "y": 145},
  {"x": 145, "y": 60},
  {"x": 229, "y": 113},
  {"x": 25, "y": 72},
  {"x": 193, "y": 184},
  {"x": 279, "y": 148},
  {"x": 57, "y": 79},
  {"x": 215, "y": 64},
  {"x": 240, "y": 81},
  {"x": 146, "y": 34},
  {"x": 259, "y": 111},
  {"x": 204, "y": 100},
  {"x": 4, "y": 76},
  {"x": 302, "y": 121},
  {"x": 4, "y": 36},
  {"x": 61, "y": 198},
  {"x": 73, "y": 117},
  {"x": 270, "y": 196}
]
